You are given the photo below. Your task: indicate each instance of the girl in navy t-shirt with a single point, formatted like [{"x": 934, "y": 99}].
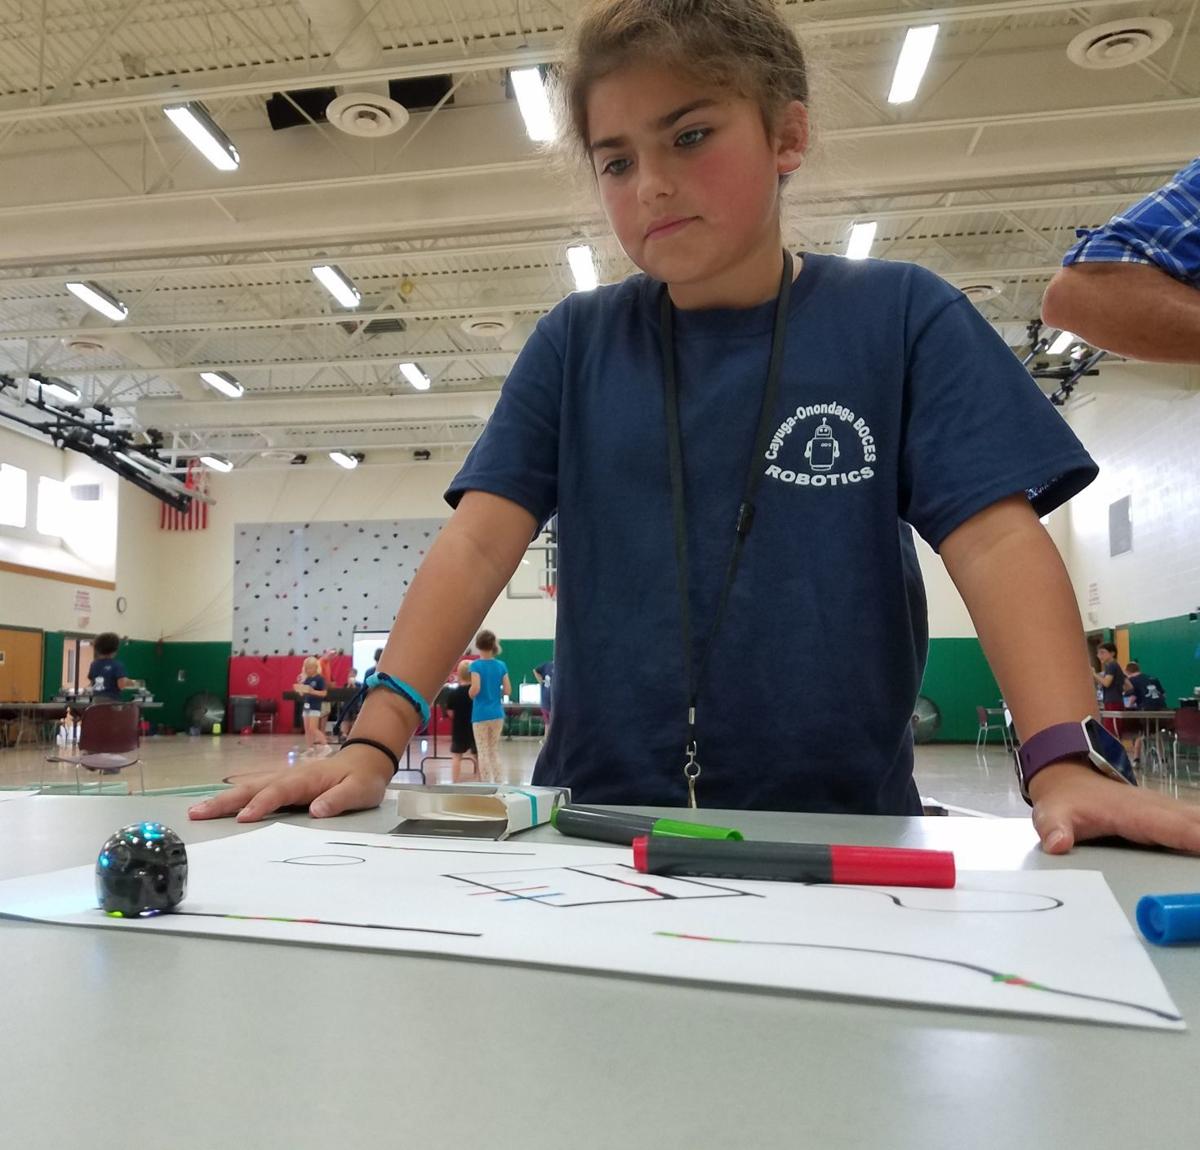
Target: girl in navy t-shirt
[{"x": 311, "y": 685}]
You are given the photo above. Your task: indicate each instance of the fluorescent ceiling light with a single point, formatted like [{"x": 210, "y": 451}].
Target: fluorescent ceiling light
[
  {"x": 534, "y": 104},
  {"x": 338, "y": 284},
  {"x": 583, "y": 267},
  {"x": 1062, "y": 341},
  {"x": 194, "y": 121},
  {"x": 345, "y": 459},
  {"x": 98, "y": 299},
  {"x": 56, "y": 389},
  {"x": 415, "y": 376},
  {"x": 862, "y": 236},
  {"x": 223, "y": 382},
  {"x": 914, "y": 59},
  {"x": 216, "y": 462}
]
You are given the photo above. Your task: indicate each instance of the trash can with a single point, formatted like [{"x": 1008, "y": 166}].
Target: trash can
[{"x": 241, "y": 712}]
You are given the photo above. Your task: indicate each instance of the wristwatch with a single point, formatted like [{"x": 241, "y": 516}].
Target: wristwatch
[{"x": 1086, "y": 742}]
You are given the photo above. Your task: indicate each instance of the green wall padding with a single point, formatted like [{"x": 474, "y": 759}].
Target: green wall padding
[
  {"x": 52, "y": 657},
  {"x": 205, "y": 668},
  {"x": 958, "y": 679},
  {"x": 521, "y": 656},
  {"x": 1168, "y": 649}
]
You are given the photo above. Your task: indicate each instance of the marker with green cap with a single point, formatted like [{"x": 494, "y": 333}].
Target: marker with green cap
[{"x": 619, "y": 827}]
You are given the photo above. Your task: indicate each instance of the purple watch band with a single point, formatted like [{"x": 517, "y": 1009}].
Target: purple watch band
[{"x": 1062, "y": 741}]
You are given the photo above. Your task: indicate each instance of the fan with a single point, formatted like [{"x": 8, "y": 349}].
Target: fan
[
  {"x": 926, "y": 720},
  {"x": 203, "y": 710}
]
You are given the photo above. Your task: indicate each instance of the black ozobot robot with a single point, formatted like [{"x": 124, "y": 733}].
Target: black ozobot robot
[{"x": 141, "y": 869}]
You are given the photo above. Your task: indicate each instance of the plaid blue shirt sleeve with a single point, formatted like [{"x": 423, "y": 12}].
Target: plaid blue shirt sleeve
[{"x": 1162, "y": 230}]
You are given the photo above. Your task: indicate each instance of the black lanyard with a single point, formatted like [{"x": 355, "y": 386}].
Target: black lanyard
[{"x": 745, "y": 515}]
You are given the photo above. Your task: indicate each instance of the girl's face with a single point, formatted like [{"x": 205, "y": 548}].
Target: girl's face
[{"x": 689, "y": 180}]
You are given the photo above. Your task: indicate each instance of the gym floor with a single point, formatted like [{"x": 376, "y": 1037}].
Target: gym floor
[{"x": 950, "y": 773}]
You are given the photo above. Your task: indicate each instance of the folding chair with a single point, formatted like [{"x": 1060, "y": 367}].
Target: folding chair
[
  {"x": 986, "y": 726},
  {"x": 1187, "y": 736},
  {"x": 108, "y": 743}
]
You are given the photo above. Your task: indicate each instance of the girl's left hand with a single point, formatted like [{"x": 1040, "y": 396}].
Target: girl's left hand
[{"x": 1073, "y": 803}]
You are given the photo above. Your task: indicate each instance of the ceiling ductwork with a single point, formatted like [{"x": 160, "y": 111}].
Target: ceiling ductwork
[
  {"x": 368, "y": 109},
  {"x": 297, "y": 411},
  {"x": 135, "y": 351}
]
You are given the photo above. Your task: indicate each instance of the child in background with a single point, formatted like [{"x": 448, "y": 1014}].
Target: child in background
[
  {"x": 312, "y": 685},
  {"x": 1143, "y": 693},
  {"x": 106, "y": 675},
  {"x": 682, "y": 426},
  {"x": 544, "y": 674},
  {"x": 462, "y": 733},
  {"x": 489, "y": 685},
  {"x": 1110, "y": 685}
]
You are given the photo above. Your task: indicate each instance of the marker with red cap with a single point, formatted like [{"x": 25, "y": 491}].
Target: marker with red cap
[{"x": 793, "y": 862}]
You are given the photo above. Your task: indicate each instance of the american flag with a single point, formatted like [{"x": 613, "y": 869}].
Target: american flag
[{"x": 195, "y": 518}]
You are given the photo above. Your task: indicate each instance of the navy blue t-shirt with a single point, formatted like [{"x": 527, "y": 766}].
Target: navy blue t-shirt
[
  {"x": 105, "y": 676},
  {"x": 898, "y": 405},
  {"x": 1148, "y": 693},
  {"x": 312, "y": 703},
  {"x": 546, "y": 670}
]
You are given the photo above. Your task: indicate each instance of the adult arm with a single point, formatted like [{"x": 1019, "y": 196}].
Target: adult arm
[
  {"x": 1016, "y": 588},
  {"x": 468, "y": 566},
  {"x": 1133, "y": 309},
  {"x": 476, "y": 685}
]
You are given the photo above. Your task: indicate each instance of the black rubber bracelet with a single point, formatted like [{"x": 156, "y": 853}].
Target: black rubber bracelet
[{"x": 378, "y": 746}]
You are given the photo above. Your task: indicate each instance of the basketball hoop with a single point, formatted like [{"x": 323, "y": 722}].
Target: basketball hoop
[{"x": 550, "y": 591}]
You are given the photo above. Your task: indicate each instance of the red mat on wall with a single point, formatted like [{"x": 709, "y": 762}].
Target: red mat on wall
[{"x": 268, "y": 676}]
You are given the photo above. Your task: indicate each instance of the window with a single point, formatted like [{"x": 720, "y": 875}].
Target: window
[
  {"x": 13, "y": 495},
  {"x": 51, "y": 506}
]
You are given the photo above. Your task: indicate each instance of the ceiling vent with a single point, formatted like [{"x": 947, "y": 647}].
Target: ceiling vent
[
  {"x": 978, "y": 291},
  {"x": 393, "y": 325},
  {"x": 1119, "y": 43},
  {"x": 301, "y": 107},
  {"x": 487, "y": 326},
  {"x": 85, "y": 345},
  {"x": 366, "y": 114}
]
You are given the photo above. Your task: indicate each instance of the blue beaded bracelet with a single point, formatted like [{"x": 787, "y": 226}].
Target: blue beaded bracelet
[{"x": 381, "y": 679}]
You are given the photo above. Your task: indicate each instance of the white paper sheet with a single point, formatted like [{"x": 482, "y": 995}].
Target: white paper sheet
[
  {"x": 1051, "y": 943},
  {"x": 8, "y": 796}
]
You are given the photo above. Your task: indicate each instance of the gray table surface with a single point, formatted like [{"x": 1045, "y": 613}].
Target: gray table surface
[{"x": 108, "y": 1038}]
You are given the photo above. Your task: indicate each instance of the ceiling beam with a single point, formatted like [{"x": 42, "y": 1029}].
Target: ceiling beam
[
  {"x": 217, "y": 364},
  {"x": 260, "y": 80},
  {"x": 411, "y": 259}
]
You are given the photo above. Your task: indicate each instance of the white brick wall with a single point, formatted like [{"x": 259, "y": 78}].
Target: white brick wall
[{"x": 1147, "y": 443}]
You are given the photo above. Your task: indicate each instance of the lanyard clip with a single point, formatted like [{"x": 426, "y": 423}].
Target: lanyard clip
[{"x": 691, "y": 771}]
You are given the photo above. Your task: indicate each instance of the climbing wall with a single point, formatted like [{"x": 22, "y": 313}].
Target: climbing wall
[{"x": 301, "y": 587}]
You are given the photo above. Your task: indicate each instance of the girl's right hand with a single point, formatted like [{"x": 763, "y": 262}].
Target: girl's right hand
[{"x": 353, "y": 779}]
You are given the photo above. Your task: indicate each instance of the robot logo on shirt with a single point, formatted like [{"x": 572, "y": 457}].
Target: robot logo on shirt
[
  {"x": 822, "y": 450},
  {"x": 826, "y": 460}
]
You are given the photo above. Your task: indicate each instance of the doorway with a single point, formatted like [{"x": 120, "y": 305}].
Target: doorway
[
  {"x": 20, "y": 665},
  {"x": 77, "y": 657}
]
